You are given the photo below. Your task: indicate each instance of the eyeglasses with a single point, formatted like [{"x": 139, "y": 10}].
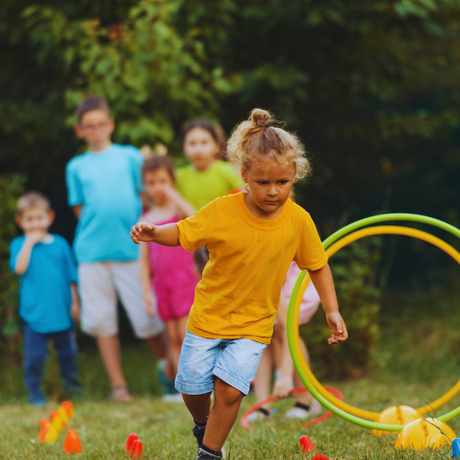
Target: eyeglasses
[{"x": 99, "y": 126}]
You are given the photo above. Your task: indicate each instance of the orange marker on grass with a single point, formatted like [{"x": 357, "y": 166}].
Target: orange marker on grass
[
  {"x": 67, "y": 405},
  {"x": 48, "y": 432},
  {"x": 72, "y": 443}
]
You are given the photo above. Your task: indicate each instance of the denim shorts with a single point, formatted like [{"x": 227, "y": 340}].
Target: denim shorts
[{"x": 203, "y": 360}]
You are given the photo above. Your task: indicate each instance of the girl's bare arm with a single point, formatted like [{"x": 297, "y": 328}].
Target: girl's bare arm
[
  {"x": 145, "y": 269},
  {"x": 324, "y": 284},
  {"x": 185, "y": 209},
  {"x": 75, "y": 308},
  {"x": 23, "y": 259},
  {"x": 166, "y": 235}
]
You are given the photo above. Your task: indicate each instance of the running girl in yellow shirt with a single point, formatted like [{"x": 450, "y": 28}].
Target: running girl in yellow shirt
[{"x": 252, "y": 238}]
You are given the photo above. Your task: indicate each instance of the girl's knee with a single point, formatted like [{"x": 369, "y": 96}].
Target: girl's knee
[
  {"x": 196, "y": 398},
  {"x": 227, "y": 394}
]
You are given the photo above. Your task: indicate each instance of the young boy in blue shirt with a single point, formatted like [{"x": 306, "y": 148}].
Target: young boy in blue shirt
[
  {"x": 48, "y": 298},
  {"x": 104, "y": 186}
]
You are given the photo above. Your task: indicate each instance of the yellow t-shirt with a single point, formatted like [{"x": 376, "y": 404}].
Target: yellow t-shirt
[{"x": 239, "y": 293}]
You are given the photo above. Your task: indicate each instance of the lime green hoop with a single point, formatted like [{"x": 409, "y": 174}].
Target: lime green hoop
[{"x": 291, "y": 311}]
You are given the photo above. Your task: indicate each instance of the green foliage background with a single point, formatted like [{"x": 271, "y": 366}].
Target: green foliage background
[{"x": 371, "y": 86}]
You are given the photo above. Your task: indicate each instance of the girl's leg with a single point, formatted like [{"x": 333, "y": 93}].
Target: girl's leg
[
  {"x": 277, "y": 342},
  {"x": 199, "y": 406},
  {"x": 176, "y": 330},
  {"x": 263, "y": 377},
  {"x": 227, "y": 401},
  {"x": 160, "y": 345},
  {"x": 182, "y": 329},
  {"x": 109, "y": 348}
]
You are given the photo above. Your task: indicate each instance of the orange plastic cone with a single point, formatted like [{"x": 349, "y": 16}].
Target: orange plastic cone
[
  {"x": 67, "y": 405},
  {"x": 137, "y": 449},
  {"x": 72, "y": 443},
  {"x": 57, "y": 421},
  {"x": 48, "y": 432},
  {"x": 44, "y": 428}
]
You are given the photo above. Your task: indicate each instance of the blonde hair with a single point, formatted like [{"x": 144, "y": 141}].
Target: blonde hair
[
  {"x": 257, "y": 140},
  {"x": 32, "y": 200}
]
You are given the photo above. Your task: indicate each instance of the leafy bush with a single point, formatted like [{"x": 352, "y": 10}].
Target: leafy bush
[
  {"x": 355, "y": 271},
  {"x": 11, "y": 186}
]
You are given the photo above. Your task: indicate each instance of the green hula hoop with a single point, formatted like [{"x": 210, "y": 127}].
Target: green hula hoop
[{"x": 291, "y": 320}]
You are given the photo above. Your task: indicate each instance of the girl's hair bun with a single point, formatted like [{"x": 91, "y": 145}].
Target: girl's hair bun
[
  {"x": 256, "y": 140},
  {"x": 260, "y": 118}
]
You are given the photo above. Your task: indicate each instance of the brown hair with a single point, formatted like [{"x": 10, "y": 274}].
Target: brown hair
[
  {"x": 91, "y": 103},
  {"x": 157, "y": 162},
  {"x": 257, "y": 140},
  {"x": 32, "y": 200},
  {"x": 203, "y": 124},
  {"x": 222, "y": 136}
]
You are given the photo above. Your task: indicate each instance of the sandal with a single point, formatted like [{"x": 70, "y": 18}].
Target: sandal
[
  {"x": 303, "y": 411},
  {"x": 259, "y": 415},
  {"x": 120, "y": 393}
]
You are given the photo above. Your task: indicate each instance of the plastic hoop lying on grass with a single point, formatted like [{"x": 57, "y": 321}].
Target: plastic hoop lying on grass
[
  {"x": 340, "y": 408},
  {"x": 244, "y": 419}
]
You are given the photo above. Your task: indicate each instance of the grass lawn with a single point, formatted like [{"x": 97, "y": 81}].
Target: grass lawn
[{"x": 412, "y": 361}]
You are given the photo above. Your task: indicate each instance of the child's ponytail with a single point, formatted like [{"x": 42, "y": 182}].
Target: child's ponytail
[{"x": 256, "y": 139}]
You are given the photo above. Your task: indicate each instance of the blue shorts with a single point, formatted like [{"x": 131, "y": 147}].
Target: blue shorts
[{"x": 203, "y": 360}]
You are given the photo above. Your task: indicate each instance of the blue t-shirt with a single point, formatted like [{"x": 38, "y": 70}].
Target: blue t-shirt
[
  {"x": 45, "y": 297},
  {"x": 107, "y": 184}
]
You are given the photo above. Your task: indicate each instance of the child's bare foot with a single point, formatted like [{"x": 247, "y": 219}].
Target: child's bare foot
[{"x": 120, "y": 393}]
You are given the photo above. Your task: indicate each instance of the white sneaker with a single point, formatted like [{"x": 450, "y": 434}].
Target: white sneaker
[
  {"x": 175, "y": 398},
  {"x": 297, "y": 412}
]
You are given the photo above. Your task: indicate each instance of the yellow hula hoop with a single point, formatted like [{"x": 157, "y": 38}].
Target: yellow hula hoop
[{"x": 370, "y": 231}]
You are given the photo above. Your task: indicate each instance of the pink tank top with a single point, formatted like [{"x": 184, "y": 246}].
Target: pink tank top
[{"x": 169, "y": 265}]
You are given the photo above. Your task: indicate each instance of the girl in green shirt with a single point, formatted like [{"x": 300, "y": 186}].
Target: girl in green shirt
[{"x": 207, "y": 177}]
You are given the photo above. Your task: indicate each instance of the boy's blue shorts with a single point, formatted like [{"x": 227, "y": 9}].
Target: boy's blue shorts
[{"x": 203, "y": 360}]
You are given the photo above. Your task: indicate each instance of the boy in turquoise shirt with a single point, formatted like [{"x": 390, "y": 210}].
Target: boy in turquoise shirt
[
  {"x": 48, "y": 298},
  {"x": 104, "y": 186}
]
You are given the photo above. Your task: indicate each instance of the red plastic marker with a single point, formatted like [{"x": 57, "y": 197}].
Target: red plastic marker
[
  {"x": 306, "y": 444},
  {"x": 137, "y": 449},
  {"x": 72, "y": 443},
  {"x": 319, "y": 457},
  {"x": 129, "y": 443}
]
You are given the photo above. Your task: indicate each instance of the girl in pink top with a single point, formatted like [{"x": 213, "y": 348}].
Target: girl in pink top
[{"x": 168, "y": 271}]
